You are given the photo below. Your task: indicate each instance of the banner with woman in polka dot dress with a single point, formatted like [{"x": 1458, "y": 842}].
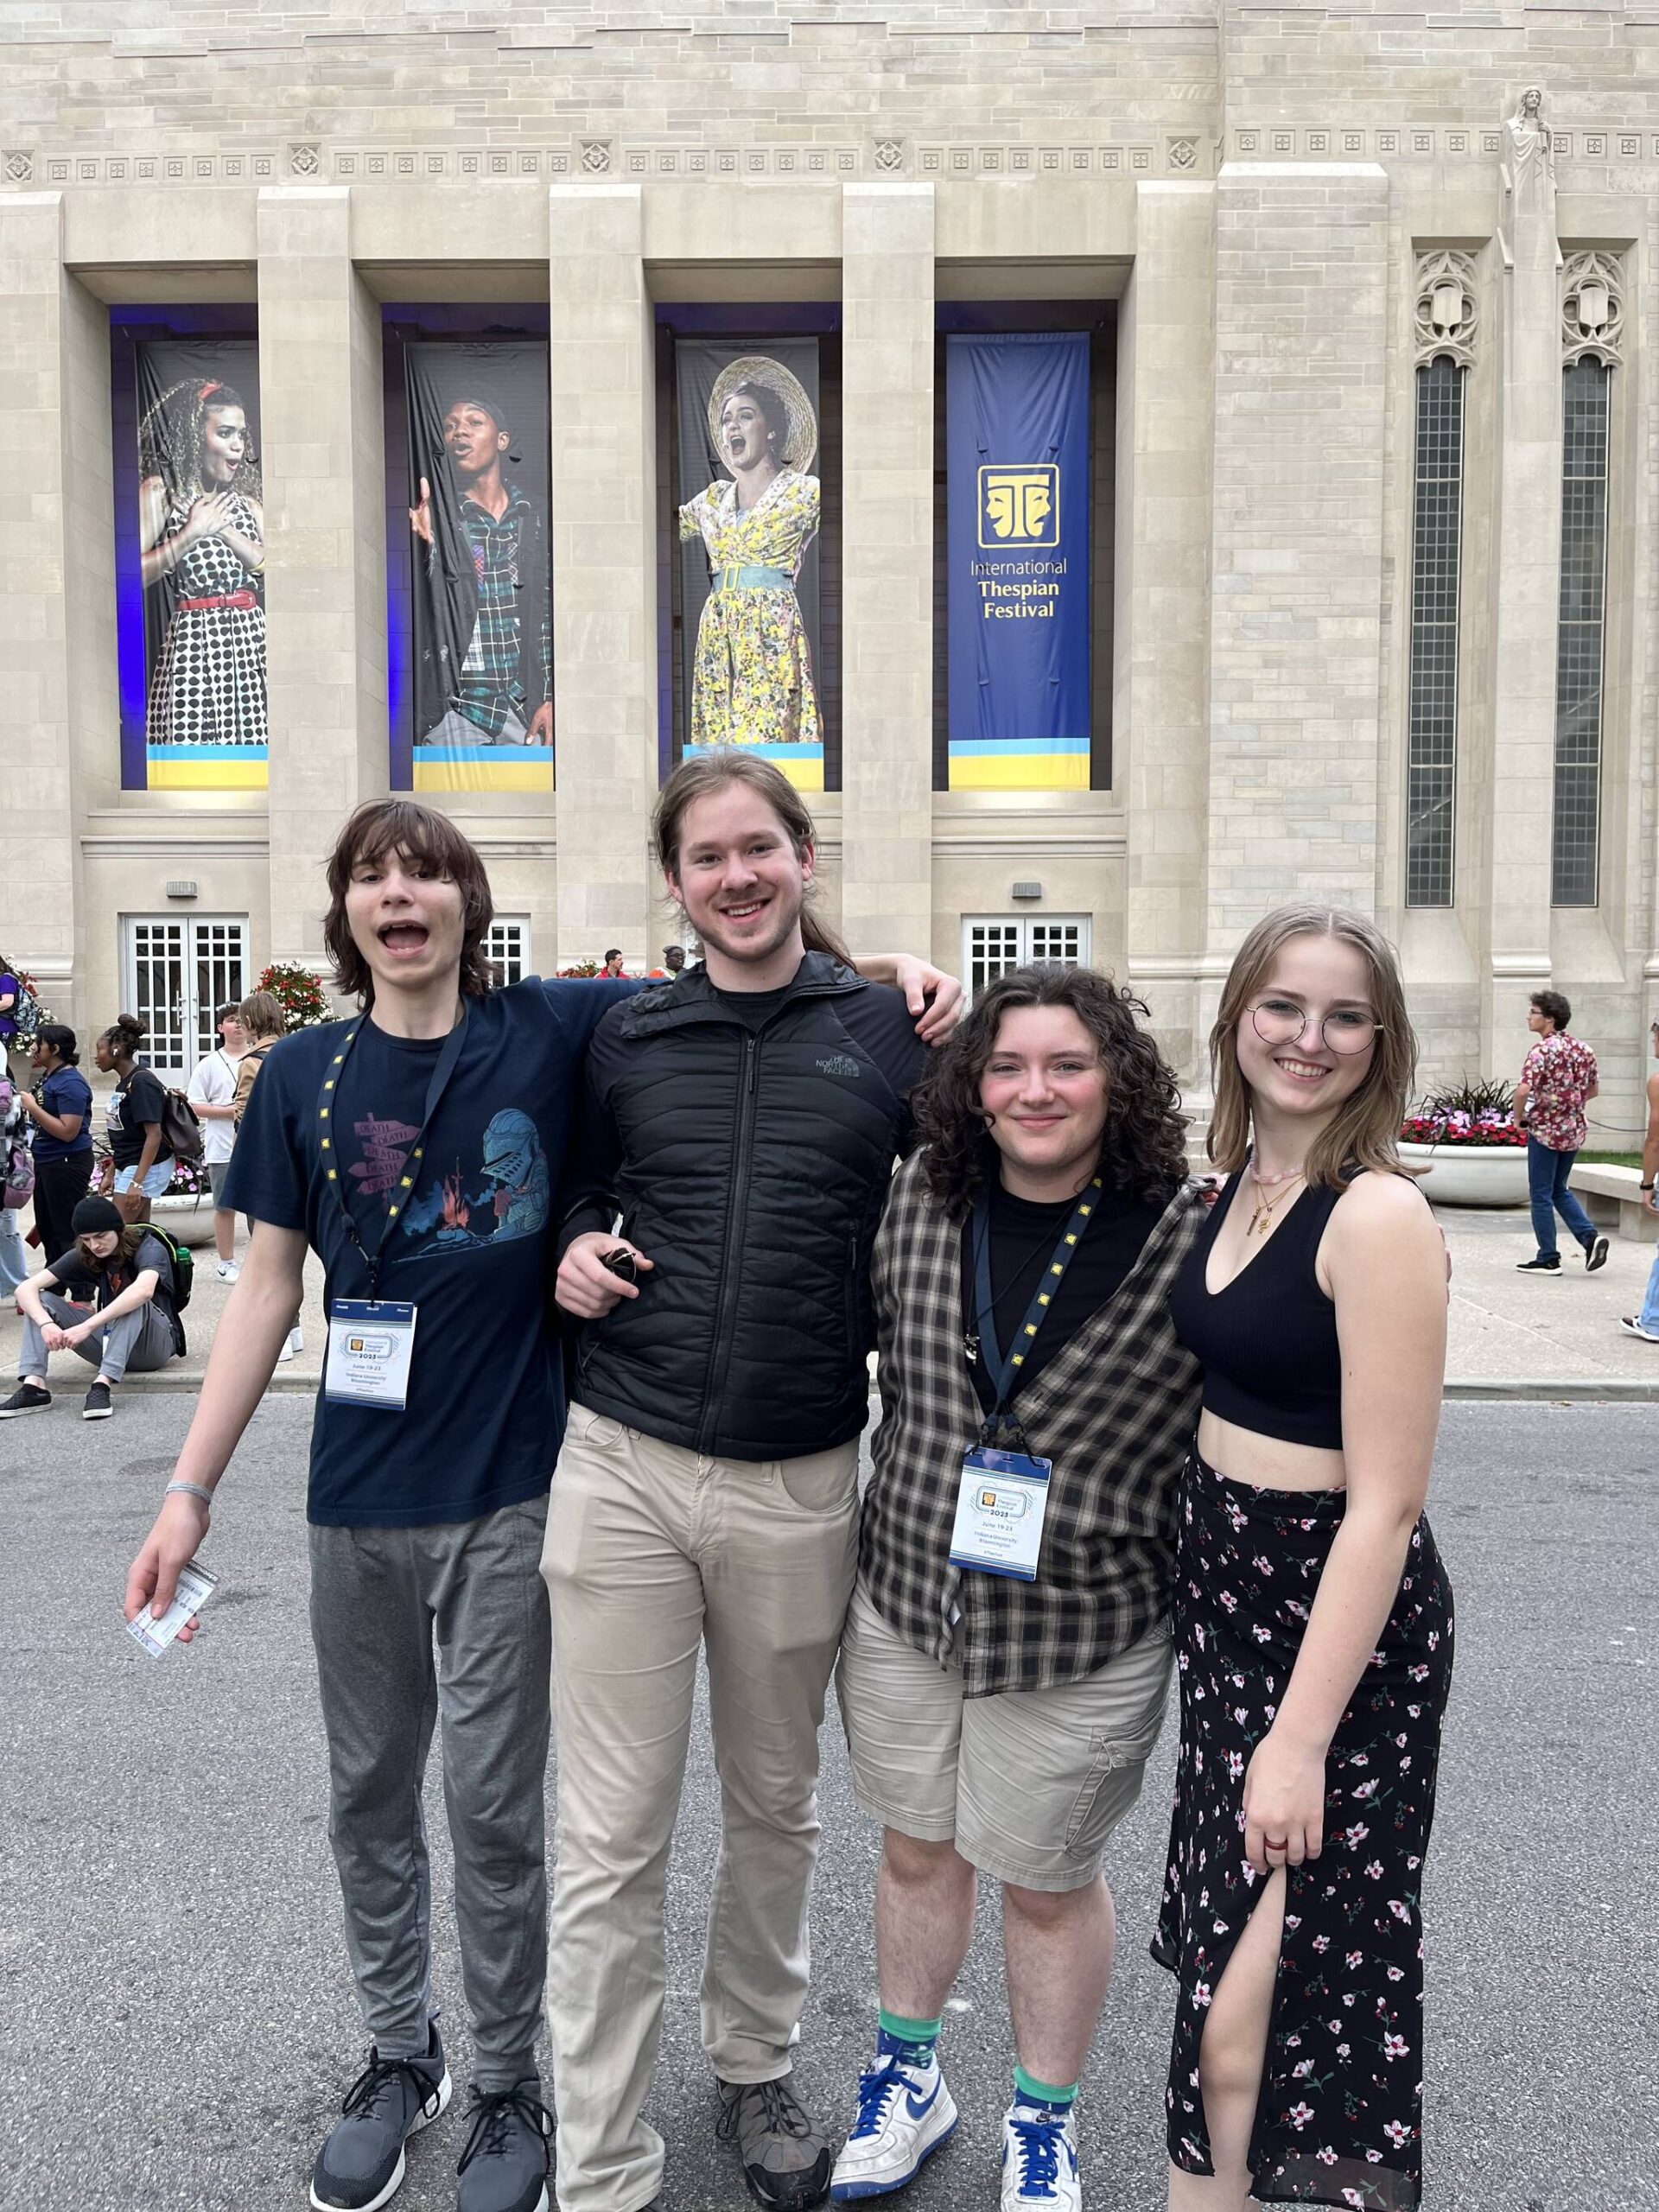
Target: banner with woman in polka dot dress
[{"x": 201, "y": 531}]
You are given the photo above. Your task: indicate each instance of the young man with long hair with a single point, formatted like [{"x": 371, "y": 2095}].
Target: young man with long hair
[
  {"x": 1006, "y": 1657},
  {"x": 742, "y": 1120},
  {"x": 415, "y": 1147}
]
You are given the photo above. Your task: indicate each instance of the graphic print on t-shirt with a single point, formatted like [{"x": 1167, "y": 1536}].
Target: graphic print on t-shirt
[{"x": 453, "y": 1211}]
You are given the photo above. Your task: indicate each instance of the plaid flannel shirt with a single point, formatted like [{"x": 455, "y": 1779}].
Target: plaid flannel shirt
[
  {"x": 1116, "y": 1411},
  {"x": 491, "y": 684}
]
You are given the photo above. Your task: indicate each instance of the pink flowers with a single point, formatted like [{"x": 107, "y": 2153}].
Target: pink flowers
[
  {"x": 1300, "y": 2115},
  {"x": 1397, "y": 2133},
  {"x": 1395, "y": 2046}
]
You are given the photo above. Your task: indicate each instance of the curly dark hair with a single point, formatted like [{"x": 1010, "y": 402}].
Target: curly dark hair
[{"x": 1142, "y": 1148}]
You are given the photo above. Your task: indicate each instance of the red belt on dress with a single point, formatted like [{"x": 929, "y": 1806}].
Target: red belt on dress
[{"x": 219, "y": 598}]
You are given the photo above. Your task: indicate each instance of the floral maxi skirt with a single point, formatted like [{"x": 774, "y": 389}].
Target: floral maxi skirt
[{"x": 1339, "y": 2117}]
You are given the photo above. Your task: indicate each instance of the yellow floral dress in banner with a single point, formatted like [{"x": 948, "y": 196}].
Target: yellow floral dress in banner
[{"x": 751, "y": 681}]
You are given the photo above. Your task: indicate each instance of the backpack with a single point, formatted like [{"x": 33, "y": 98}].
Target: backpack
[
  {"x": 16, "y": 1160},
  {"x": 181, "y": 1129},
  {"x": 27, "y": 1011},
  {"x": 184, "y": 1276}
]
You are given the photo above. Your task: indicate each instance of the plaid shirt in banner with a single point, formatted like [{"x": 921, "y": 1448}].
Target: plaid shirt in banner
[
  {"x": 491, "y": 685},
  {"x": 1116, "y": 1411}
]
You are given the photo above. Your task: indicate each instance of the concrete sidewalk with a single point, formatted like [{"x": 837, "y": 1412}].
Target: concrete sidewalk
[{"x": 1512, "y": 1336}]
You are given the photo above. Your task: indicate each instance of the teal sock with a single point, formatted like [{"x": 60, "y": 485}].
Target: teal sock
[
  {"x": 921, "y": 2036},
  {"x": 1030, "y": 2091}
]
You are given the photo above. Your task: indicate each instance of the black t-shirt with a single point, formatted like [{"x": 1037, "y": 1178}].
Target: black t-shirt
[
  {"x": 1023, "y": 1237},
  {"x": 753, "y": 1008},
  {"x": 137, "y": 1098},
  {"x": 469, "y": 1247},
  {"x": 107, "y": 1283}
]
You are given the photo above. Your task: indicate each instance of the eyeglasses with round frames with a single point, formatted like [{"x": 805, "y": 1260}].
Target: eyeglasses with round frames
[{"x": 1279, "y": 1021}]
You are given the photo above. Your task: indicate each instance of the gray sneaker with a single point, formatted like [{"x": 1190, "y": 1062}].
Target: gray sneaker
[
  {"x": 785, "y": 2149},
  {"x": 508, "y": 2154},
  {"x": 360, "y": 2167}
]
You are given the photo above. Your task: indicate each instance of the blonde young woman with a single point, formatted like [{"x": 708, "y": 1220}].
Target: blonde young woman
[{"x": 1313, "y": 1617}]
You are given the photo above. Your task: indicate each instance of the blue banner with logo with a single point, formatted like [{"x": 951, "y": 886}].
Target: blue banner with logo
[{"x": 1017, "y": 452}]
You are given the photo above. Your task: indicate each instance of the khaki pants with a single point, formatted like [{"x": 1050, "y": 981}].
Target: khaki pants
[{"x": 652, "y": 1550}]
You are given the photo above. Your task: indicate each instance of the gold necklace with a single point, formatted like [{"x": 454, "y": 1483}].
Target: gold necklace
[{"x": 1261, "y": 1219}]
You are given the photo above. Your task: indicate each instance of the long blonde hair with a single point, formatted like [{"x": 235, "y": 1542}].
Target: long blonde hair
[{"x": 1365, "y": 1130}]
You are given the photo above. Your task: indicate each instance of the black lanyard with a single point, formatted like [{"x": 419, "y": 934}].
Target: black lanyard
[
  {"x": 405, "y": 1190},
  {"x": 1003, "y": 1370}
]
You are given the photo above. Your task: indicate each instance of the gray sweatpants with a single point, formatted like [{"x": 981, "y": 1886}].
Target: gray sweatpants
[
  {"x": 142, "y": 1340},
  {"x": 380, "y": 1599}
]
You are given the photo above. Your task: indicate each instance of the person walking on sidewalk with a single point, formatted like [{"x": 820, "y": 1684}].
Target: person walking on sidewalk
[
  {"x": 61, "y": 1108},
  {"x": 1644, "y": 1322},
  {"x": 212, "y": 1093},
  {"x": 131, "y": 1325},
  {"x": 140, "y": 1166},
  {"x": 1558, "y": 1081},
  {"x": 743, "y": 1120},
  {"x": 1001, "y": 1703}
]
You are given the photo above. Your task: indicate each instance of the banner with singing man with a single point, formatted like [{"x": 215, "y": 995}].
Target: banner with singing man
[{"x": 1017, "y": 451}]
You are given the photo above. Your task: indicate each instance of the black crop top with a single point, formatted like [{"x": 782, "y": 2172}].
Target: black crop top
[{"x": 1268, "y": 1343}]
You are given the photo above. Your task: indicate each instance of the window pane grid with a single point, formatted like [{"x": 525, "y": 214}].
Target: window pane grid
[
  {"x": 506, "y": 947},
  {"x": 1432, "y": 709},
  {"x": 1575, "y": 860},
  {"x": 993, "y": 945}
]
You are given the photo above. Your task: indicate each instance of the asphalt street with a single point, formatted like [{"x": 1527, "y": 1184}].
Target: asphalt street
[{"x": 177, "y": 2025}]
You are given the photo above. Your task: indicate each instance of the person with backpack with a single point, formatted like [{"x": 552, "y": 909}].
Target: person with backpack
[
  {"x": 131, "y": 1324},
  {"x": 263, "y": 1023},
  {"x": 61, "y": 1108},
  {"x": 212, "y": 1093},
  {"x": 140, "y": 1165}
]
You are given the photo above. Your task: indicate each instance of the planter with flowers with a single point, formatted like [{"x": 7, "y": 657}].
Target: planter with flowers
[
  {"x": 299, "y": 993},
  {"x": 1466, "y": 1148},
  {"x": 186, "y": 1209}
]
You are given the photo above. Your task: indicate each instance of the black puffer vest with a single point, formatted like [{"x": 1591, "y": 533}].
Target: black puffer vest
[{"x": 753, "y": 1169}]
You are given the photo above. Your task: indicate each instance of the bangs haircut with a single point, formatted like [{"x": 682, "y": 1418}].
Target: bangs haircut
[
  {"x": 1143, "y": 1146},
  {"x": 381, "y": 826},
  {"x": 1365, "y": 1129}
]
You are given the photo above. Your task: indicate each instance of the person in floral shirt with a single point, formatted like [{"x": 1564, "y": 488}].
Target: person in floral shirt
[{"x": 1558, "y": 1080}]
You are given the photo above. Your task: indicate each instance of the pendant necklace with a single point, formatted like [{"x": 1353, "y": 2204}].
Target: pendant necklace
[{"x": 1262, "y": 1217}]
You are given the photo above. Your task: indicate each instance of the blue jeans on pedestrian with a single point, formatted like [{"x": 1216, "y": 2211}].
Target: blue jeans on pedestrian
[{"x": 1547, "y": 1174}]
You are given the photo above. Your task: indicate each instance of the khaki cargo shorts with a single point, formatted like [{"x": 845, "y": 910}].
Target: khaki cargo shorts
[{"x": 1028, "y": 1784}]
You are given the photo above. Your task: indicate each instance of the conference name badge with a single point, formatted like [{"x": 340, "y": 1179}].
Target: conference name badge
[
  {"x": 369, "y": 1343},
  {"x": 1000, "y": 1510}
]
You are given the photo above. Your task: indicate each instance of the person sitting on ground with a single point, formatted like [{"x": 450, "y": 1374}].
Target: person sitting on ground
[
  {"x": 139, "y": 1167},
  {"x": 130, "y": 1323}
]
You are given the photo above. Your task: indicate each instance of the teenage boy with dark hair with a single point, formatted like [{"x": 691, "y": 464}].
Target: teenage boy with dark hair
[
  {"x": 743, "y": 1120},
  {"x": 414, "y": 1148}
]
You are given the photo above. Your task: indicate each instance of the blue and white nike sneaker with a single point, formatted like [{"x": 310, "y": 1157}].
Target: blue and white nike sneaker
[
  {"x": 1039, "y": 2160},
  {"x": 905, "y": 2112}
]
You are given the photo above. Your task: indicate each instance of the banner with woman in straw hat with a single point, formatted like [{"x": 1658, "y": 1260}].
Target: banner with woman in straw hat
[{"x": 751, "y": 681}]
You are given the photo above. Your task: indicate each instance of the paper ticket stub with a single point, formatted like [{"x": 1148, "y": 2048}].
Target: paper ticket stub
[{"x": 196, "y": 1585}]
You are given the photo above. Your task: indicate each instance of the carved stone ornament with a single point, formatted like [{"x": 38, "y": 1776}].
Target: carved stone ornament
[
  {"x": 889, "y": 154},
  {"x": 1592, "y": 310},
  {"x": 1447, "y": 312}
]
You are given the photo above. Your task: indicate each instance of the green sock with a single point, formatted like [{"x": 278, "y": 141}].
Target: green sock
[
  {"x": 924, "y": 2034},
  {"x": 1030, "y": 2090}
]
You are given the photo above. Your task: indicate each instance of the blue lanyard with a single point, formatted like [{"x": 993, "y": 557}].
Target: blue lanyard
[
  {"x": 405, "y": 1190},
  {"x": 1004, "y": 1369}
]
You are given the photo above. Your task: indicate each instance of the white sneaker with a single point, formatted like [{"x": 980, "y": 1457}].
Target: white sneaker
[
  {"x": 293, "y": 1342},
  {"x": 1039, "y": 2161},
  {"x": 1631, "y": 1325},
  {"x": 227, "y": 1270},
  {"x": 905, "y": 2112}
]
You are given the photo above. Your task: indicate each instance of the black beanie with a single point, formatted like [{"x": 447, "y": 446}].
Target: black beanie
[{"x": 93, "y": 1215}]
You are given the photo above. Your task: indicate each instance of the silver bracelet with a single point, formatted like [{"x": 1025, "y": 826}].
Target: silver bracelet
[{"x": 190, "y": 1489}]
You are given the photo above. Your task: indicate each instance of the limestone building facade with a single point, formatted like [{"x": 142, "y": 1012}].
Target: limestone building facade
[{"x": 1376, "y": 450}]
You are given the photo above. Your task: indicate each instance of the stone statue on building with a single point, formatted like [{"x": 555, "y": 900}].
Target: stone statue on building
[{"x": 1527, "y": 214}]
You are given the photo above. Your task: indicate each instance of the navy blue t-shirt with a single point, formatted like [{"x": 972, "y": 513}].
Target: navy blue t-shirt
[
  {"x": 470, "y": 1251},
  {"x": 66, "y": 1090}
]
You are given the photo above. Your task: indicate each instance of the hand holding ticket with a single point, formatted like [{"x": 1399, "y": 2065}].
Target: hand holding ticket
[{"x": 196, "y": 1585}]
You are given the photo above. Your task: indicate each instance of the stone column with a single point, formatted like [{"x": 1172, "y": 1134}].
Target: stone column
[
  {"x": 604, "y": 569},
  {"x": 320, "y": 403},
  {"x": 1301, "y": 349},
  {"x": 59, "y": 714},
  {"x": 1161, "y": 635},
  {"x": 1527, "y": 543},
  {"x": 888, "y": 556}
]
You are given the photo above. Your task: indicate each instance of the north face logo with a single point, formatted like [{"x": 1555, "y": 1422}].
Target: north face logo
[{"x": 839, "y": 1064}]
